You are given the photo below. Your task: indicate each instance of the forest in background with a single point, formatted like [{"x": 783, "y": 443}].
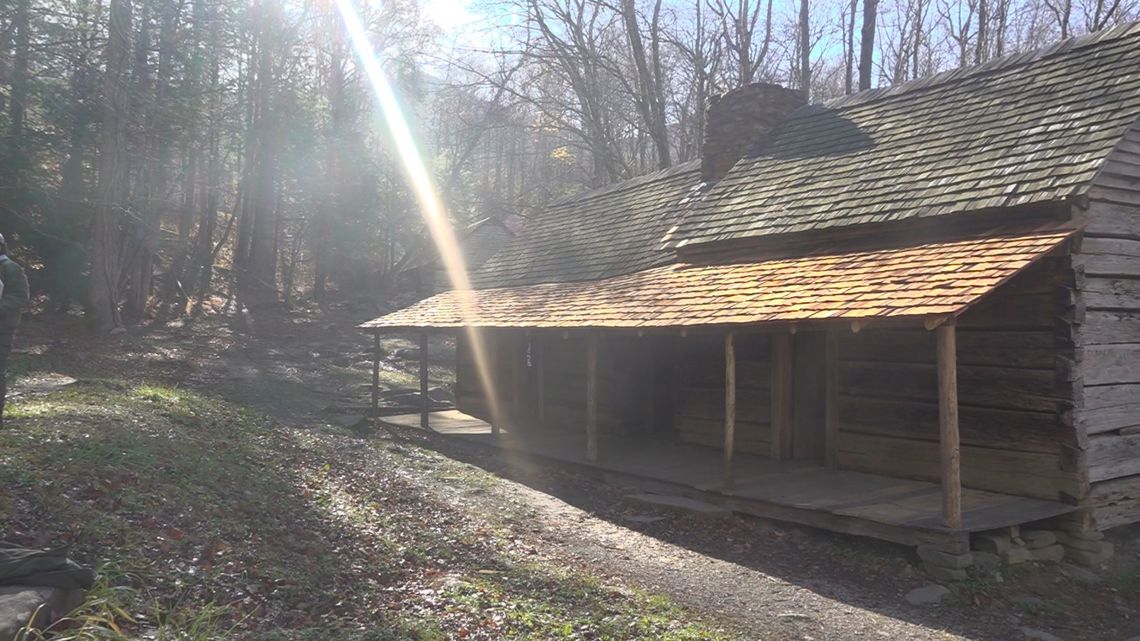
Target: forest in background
[{"x": 160, "y": 155}]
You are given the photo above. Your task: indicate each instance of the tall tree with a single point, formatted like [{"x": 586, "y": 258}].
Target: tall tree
[
  {"x": 867, "y": 43},
  {"x": 805, "y": 46},
  {"x": 651, "y": 90},
  {"x": 106, "y": 243}
]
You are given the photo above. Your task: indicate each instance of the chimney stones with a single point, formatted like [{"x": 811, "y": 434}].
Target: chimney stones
[{"x": 737, "y": 119}]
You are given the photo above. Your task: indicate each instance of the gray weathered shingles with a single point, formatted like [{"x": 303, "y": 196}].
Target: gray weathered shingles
[
  {"x": 600, "y": 233},
  {"x": 1030, "y": 128}
]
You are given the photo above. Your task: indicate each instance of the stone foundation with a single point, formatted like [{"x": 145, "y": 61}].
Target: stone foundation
[
  {"x": 994, "y": 550},
  {"x": 944, "y": 566},
  {"x": 1085, "y": 547}
]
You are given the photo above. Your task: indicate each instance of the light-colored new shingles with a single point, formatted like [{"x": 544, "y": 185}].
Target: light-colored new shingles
[{"x": 930, "y": 279}]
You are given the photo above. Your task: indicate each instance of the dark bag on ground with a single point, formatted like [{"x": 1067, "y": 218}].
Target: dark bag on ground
[{"x": 42, "y": 568}]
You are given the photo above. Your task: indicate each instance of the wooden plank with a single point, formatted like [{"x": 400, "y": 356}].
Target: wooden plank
[
  {"x": 704, "y": 371},
  {"x": 375, "y": 373},
  {"x": 831, "y": 399},
  {"x": 425, "y": 402},
  {"x": 1112, "y": 456},
  {"x": 518, "y": 354},
  {"x": 592, "y": 398},
  {"x": 709, "y": 403},
  {"x": 1111, "y": 293},
  {"x": 1116, "y": 502},
  {"x": 540, "y": 380},
  {"x": 1109, "y": 419},
  {"x": 1108, "y": 265},
  {"x": 950, "y": 447},
  {"x": 1111, "y": 364},
  {"x": 729, "y": 406},
  {"x": 781, "y": 384},
  {"x": 1031, "y": 474},
  {"x": 1107, "y": 219},
  {"x": 1021, "y": 311},
  {"x": 1099, "y": 245},
  {"x": 978, "y": 426},
  {"x": 981, "y": 347},
  {"x": 990, "y": 386},
  {"x": 492, "y": 344},
  {"x": 1109, "y": 407},
  {"x": 1107, "y": 327}
]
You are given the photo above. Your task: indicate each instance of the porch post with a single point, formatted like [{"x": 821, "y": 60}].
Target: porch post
[
  {"x": 539, "y": 364},
  {"x": 831, "y": 399},
  {"x": 492, "y": 342},
  {"x": 729, "y": 407},
  {"x": 375, "y": 374},
  {"x": 950, "y": 449},
  {"x": 592, "y": 397},
  {"x": 518, "y": 353},
  {"x": 424, "y": 402},
  {"x": 781, "y": 418}
]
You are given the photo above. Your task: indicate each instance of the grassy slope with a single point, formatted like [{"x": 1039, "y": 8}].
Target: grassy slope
[{"x": 209, "y": 520}]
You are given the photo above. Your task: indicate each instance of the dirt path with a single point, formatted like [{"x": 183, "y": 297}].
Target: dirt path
[{"x": 769, "y": 580}]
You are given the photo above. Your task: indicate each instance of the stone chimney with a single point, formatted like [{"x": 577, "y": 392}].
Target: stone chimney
[{"x": 736, "y": 120}]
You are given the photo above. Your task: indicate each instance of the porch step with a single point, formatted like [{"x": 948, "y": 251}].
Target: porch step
[{"x": 680, "y": 504}]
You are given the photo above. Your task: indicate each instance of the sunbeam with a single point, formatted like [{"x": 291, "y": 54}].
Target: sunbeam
[{"x": 431, "y": 208}]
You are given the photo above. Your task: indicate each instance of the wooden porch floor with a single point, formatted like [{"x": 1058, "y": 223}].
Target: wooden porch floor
[{"x": 900, "y": 510}]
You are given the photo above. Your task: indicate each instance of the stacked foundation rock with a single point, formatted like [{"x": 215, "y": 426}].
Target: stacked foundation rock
[
  {"x": 991, "y": 551},
  {"x": 945, "y": 566},
  {"x": 1085, "y": 547}
]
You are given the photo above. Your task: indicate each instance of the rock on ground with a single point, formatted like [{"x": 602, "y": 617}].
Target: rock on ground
[
  {"x": 1038, "y": 635},
  {"x": 927, "y": 595},
  {"x": 20, "y": 605}
]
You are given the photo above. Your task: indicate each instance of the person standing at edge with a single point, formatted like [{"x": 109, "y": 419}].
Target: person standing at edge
[{"x": 13, "y": 300}]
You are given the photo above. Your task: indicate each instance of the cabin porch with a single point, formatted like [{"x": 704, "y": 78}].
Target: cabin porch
[{"x": 894, "y": 509}]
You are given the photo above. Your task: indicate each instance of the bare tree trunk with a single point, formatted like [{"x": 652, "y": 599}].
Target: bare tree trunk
[
  {"x": 105, "y": 266},
  {"x": 805, "y": 49},
  {"x": 257, "y": 284},
  {"x": 18, "y": 83},
  {"x": 651, "y": 101},
  {"x": 867, "y": 43},
  {"x": 849, "y": 50},
  {"x": 983, "y": 35}
]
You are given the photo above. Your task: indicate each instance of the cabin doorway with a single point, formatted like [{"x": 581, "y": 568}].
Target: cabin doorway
[{"x": 808, "y": 395}]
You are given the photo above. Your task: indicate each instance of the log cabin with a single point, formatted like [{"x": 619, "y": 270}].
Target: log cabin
[{"x": 911, "y": 313}]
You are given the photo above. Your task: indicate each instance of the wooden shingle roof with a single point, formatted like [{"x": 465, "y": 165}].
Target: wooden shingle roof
[
  {"x": 1024, "y": 129},
  {"x": 597, "y": 234},
  {"x": 923, "y": 280}
]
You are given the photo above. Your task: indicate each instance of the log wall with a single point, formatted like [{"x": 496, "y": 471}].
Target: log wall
[
  {"x": 555, "y": 398},
  {"x": 1013, "y": 401},
  {"x": 1108, "y": 262},
  {"x": 699, "y": 406}
]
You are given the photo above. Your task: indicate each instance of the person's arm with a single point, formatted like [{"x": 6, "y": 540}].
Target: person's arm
[{"x": 15, "y": 292}]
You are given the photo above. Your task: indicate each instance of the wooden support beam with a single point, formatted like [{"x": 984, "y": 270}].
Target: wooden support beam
[
  {"x": 492, "y": 342},
  {"x": 375, "y": 374},
  {"x": 831, "y": 399},
  {"x": 592, "y": 397},
  {"x": 729, "y": 407},
  {"x": 540, "y": 381},
  {"x": 518, "y": 357},
  {"x": 949, "y": 443},
  {"x": 425, "y": 403},
  {"x": 781, "y": 395}
]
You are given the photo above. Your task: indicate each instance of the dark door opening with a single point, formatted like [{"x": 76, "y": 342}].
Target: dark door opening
[{"x": 808, "y": 396}]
